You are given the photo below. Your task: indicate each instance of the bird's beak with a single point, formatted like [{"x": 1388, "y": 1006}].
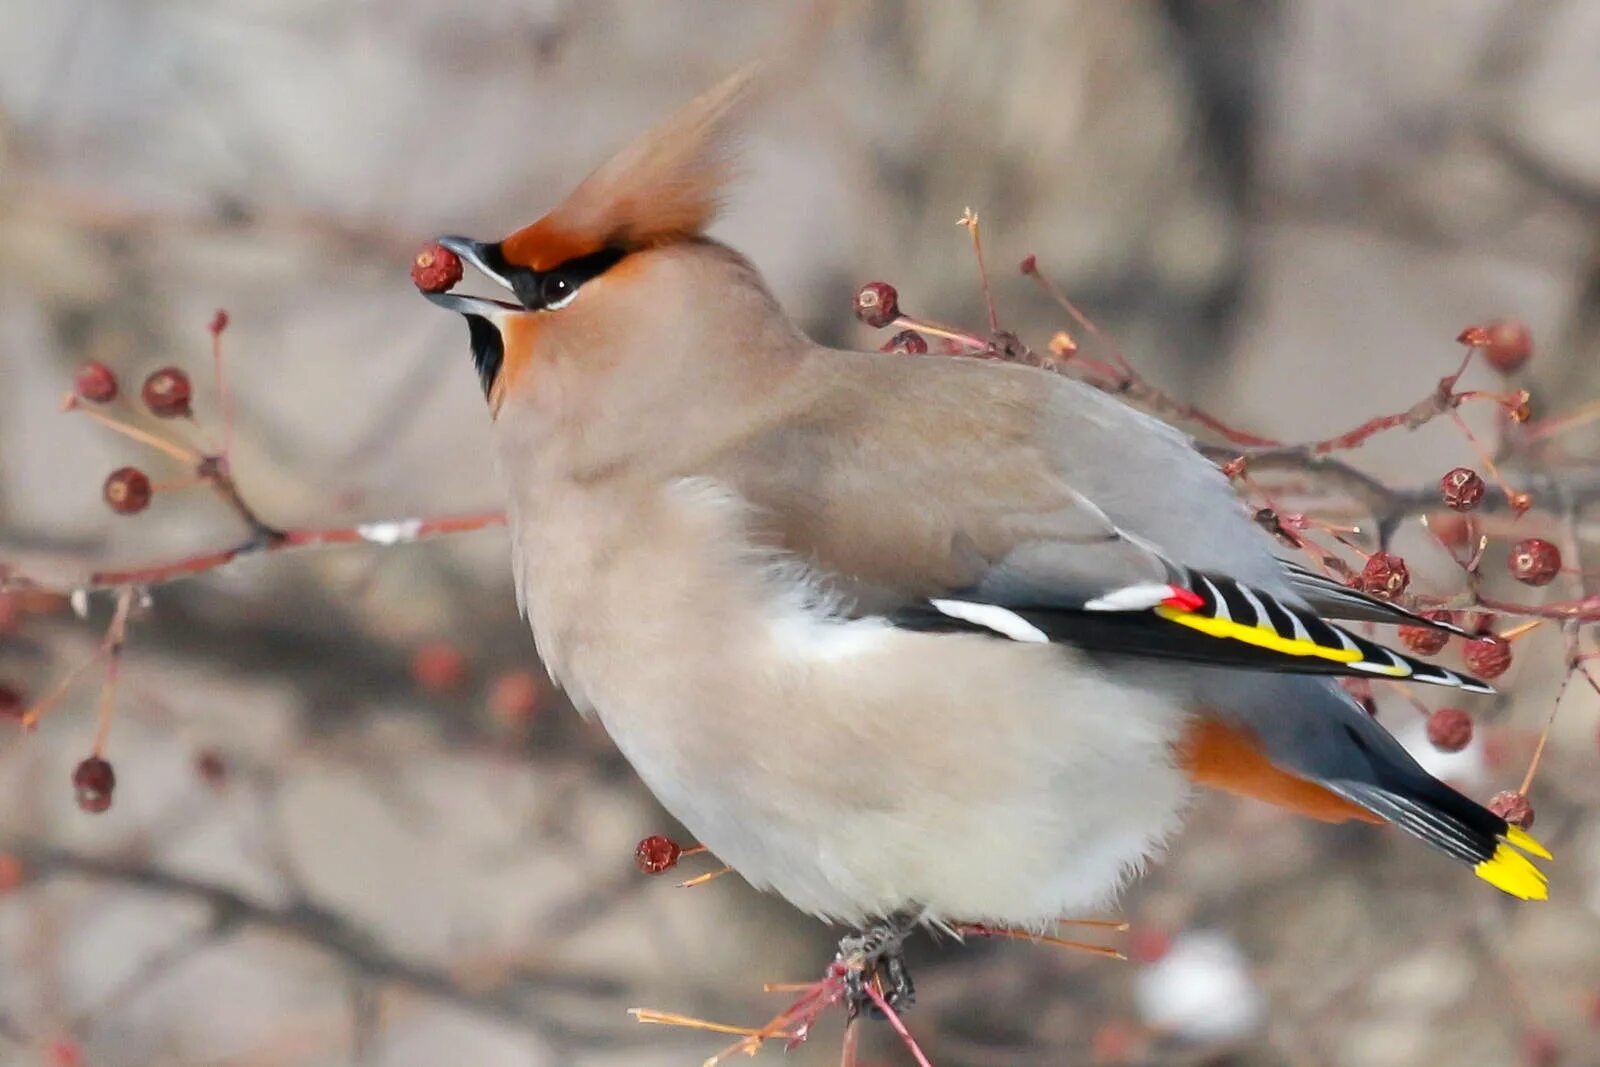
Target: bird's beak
[{"x": 487, "y": 259}]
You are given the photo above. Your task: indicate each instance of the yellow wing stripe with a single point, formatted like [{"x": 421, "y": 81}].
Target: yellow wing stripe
[{"x": 1259, "y": 636}]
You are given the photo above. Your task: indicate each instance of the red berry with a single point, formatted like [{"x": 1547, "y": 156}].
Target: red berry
[
  {"x": 95, "y": 383},
  {"x": 1149, "y": 944},
  {"x": 12, "y": 872},
  {"x": 438, "y": 667},
  {"x": 64, "y": 1052},
  {"x": 515, "y": 697},
  {"x": 906, "y": 341},
  {"x": 1450, "y": 729},
  {"x": 1534, "y": 561},
  {"x": 1360, "y": 690},
  {"x": 211, "y": 767},
  {"x": 1513, "y": 808},
  {"x": 11, "y": 705},
  {"x": 1462, "y": 488},
  {"x": 1506, "y": 344},
  {"x": 94, "y": 780},
  {"x": 1520, "y": 502},
  {"x": 877, "y": 304},
  {"x": 219, "y": 322},
  {"x": 656, "y": 854},
  {"x": 1488, "y": 657},
  {"x": 167, "y": 392},
  {"x": 127, "y": 490},
  {"x": 1540, "y": 1049},
  {"x": 1425, "y": 640},
  {"x": 1385, "y": 576},
  {"x": 436, "y": 269},
  {"x": 1029, "y": 264},
  {"x": 1114, "y": 1042}
]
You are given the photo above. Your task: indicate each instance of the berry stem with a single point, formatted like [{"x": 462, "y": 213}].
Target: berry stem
[
  {"x": 935, "y": 330},
  {"x": 224, "y": 398},
  {"x": 1483, "y": 455},
  {"x": 1544, "y": 737},
  {"x": 895, "y": 1024},
  {"x": 30, "y": 718},
  {"x": 1546, "y": 428},
  {"x": 176, "y": 451},
  {"x": 116, "y": 635},
  {"x": 981, "y": 930},
  {"x": 969, "y": 219},
  {"x": 704, "y": 878}
]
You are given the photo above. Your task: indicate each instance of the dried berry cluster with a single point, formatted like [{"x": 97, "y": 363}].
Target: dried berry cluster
[{"x": 166, "y": 394}]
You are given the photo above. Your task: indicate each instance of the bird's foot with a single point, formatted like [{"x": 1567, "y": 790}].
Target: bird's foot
[{"x": 877, "y": 954}]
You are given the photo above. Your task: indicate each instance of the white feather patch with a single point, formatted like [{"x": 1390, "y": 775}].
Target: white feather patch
[
  {"x": 1002, "y": 621},
  {"x": 1141, "y": 597}
]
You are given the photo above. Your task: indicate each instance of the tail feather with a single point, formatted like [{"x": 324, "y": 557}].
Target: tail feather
[{"x": 1460, "y": 828}]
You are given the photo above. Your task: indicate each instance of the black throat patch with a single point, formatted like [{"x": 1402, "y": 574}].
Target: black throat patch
[{"x": 488, "y": 350}]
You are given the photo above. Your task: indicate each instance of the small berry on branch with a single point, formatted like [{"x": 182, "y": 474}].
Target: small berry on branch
[
  {"x": 909, "y": 341},
  {"x": 211, "y": 767},
  {"x": 1360, "y": 689},
  {"x": 127, "y": 490},
  {"x": 219, "y": 322},
  {"x": 1505, "y": 343},
  {"x": 1462, "y": 488},
  {"x": 877, "y": 304},
  {"x": 1450, "y": 729},
  {"x": 438, "y": 667},
  {"x": 1488, "y": 656},
  {"x": 12, "y": 872},
  {"x": 1534, "y": 561},
  {"x": 95, "y": 383},
  {"x": 11, "y": 702},
  {"x": 1540, "y": 1049},
  {"x": 435, "y": 269},
  {"x": 1513, "y": 807},
  {"x": 167, "y": 393},
  {"x": 514, "y": 698},
  {"x": 1425, "y": 640},
  {"x": 1148, "y": 944},
  {"x": 1385, "y": 576},
  {"x": 93, "y": 781},
  {"x": 656, "y": 854}
]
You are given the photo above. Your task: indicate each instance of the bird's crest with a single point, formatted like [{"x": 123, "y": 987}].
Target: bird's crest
[{"x": 664, "y": 187}]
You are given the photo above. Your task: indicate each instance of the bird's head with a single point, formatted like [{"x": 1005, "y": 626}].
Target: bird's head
[{"x": 620, "y": 274}]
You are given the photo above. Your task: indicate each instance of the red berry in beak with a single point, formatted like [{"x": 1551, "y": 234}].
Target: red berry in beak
[{"x": 436, "y": 269}]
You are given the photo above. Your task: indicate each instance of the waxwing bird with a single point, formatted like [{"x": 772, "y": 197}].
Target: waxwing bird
[{"x": 901, "y": 639}]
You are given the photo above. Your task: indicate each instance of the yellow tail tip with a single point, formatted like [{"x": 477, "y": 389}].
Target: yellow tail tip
[
  {"x": 1519, "y": 837},
  {"x": 1511, "y": 872}
]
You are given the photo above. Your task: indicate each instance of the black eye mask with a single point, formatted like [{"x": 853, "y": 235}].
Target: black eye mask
[{"x": 540, "y": 290}]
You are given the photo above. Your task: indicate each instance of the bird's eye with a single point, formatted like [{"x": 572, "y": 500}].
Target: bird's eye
[{"x": 556, "y": 291}]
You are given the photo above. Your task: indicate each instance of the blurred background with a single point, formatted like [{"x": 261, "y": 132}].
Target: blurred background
[{"x": 353, "y": 823}]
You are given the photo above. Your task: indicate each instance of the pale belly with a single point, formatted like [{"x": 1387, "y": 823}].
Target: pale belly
[{"x": 854, "y": 768}]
